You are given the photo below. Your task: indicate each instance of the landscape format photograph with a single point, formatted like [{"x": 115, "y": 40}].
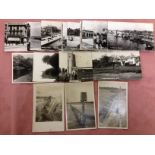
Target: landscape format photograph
[
  {"x": 130, "y": 36},
  {"x": 51, "y": 35},
  {"x": 94, "y": 35},
  {"x": 80, "y": 106},
  {"x": 46, "y": 67},
  {"x": 22, "y": 67},
  {"x": 71, "y": 35},
  {"x": 116, "y": 65},
  {"x": 22, "y": 37},
  {"x": 75, "y": 66},
  {"x": 48, "y": 107},
  {"x": 113, "y": 104}
]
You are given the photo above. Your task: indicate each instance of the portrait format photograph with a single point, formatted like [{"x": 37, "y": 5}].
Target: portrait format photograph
[
  {"x": 94, "y": 35},
  {"x": 46, "y": 67},
  {"x": 117, "y": 65},
  {"x": 80, "y": 106},
  {"x": 130, "y": 36},
  {"x": 51, "y": 35},
  {"x": 71, "y": 35},
  {"x": 22, "y": 67},
  {"x": 75, "y": 66},
  {"x": 48, "y": 107},
  {"x": 20, "y": 37},
  {"x": 113, "y": 104}
]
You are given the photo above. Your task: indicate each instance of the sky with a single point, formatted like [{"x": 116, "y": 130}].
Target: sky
[
  {"x": 35, "y": 28},
  {"x": 39, "y": 67},
  {"x": 98, "y": 55},
  {"x": 73, "y": 91},
  {"x": 51, "y": 23},
  {"x": 96, "y": 26},
  {"x": 130, "y": 26}
]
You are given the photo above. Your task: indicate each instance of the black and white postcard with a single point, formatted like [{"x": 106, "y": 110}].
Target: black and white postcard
[
  {"x": 22, "y": 67},
  {"x": 75, "y": 66},
  {"x": 51, "y": 35},
  {"x": 21, "y": 37},
  {"x": 48, "y": 107},
  {"x": 80, "y": 106},
  {"x": 46, "y": 67},
  {"x": 113, "y": 105},
  {"x": 94, "y": 35},
  {"x": 71, "y": 35},
  {"x": 117, "y": 65},
  {"x": 130, "y": 36}
]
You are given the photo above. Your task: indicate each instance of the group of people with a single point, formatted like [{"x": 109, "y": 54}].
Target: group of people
[
  {"x": 100, "y": 40},
  {"x": 65, "y": 76}
]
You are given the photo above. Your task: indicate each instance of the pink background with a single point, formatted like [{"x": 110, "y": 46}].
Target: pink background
[{"x": 16, "y": 99}]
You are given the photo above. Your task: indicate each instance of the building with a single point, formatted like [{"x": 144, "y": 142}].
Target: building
[
  {"x": 17, "y": 33},
  {"x": 87, "y": 34}
]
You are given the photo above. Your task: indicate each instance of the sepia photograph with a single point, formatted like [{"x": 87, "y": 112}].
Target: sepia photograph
[
  {"x": 113, "y": 104},
  {"x": 130, "y": 36},
  {"x": 51, "y": 35},
  {"x": 22, "y": 67},
  {"x": 48, "y": 107},
  {"x": 71, "y": 35},
  {"x": 46, "y": 67},
  {"x": 80, "y": 106},
  {"x": 117, "y": 65},
  {"x": 22, "y": 37},
  {"x": 94, "y": 35},
  {"x": 75, "y": 66}
]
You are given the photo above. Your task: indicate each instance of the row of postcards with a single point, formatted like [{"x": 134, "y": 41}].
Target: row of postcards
[
  {"x": 75, "y": 66},
  {"x": 84, "y": 35},
  {"x": 72, "y": 106}
]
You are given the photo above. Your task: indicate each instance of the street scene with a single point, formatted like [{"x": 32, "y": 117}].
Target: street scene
[
  {"x": 130, "y": 36},
  {"x": 113, "y": 111},
  {"x": 51, "y": 35},
  {"x": 94, "y": 35},
  {"x": 71, "y": 35},
  {"x": 80, "y": 105},
  {"x": 22, "y": 67},
  {"x": 46, "y": 67},
  {"x": 75, "y": 66},
  {"x": 116, "y": 65},
  {"x": 22, "y": 37}
]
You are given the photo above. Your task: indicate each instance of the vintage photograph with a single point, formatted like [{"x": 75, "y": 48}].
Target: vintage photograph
[
  {"x": 80, "y": 106},
  {"x": 130, "y": 36},
  {"x": 46, "y": 67},
  {"x": 94, "y": 35},
  {"x": 22, "y": 37},
  {"x": 71, "y": 35},
  {"x": 113, "y": 104},
  {"x": 117, "y": 65},
  {"x": 48, "y": 107},
  {"x": 75, "y": 66},
  {"x": 51, "y": 35},
  {"x": 22, "y": 67}
]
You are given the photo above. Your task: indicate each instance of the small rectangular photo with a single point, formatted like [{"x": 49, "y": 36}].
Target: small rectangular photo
[
  {"x": 80, "y": 106},
  {"x": 21, "y": 37},
  {"x": 75, "y": 66},
  {"x": 51, "y": 35},
  {"x": 71, "y": 36},
  {"x": 94, "y": 35},
  {"x": 46, "y": 67},
  {"x": 130, "y": 36},
  {"x": 48, "y": 107},
  {"x": 22, "y": 67},
  {"x": 117, "y": 65},
  {"x": 113, "y": 105}
]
